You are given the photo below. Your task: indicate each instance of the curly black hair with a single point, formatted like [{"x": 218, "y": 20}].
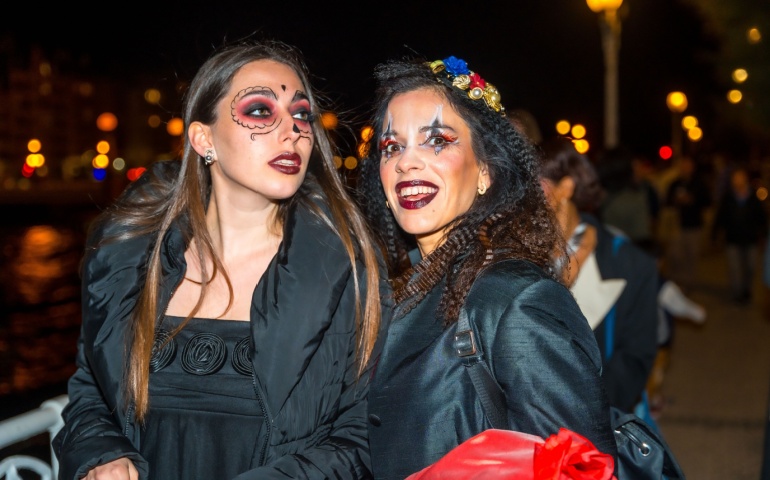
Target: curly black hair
[{"x": 512, "y": 220}]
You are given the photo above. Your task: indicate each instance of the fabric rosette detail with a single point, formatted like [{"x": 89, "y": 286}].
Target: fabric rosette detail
[
  {"x": 163, "y": 351},
  {"x": 242, "y": 357},
  {"x": 204, "y": 354}
]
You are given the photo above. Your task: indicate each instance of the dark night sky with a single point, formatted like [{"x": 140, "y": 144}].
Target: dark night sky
[{"x": 543, "y": 55}]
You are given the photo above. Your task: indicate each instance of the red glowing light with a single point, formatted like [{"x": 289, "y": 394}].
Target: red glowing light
[
  {"x": 134, "y": 173},
  {"x": 665, "y": 152}
]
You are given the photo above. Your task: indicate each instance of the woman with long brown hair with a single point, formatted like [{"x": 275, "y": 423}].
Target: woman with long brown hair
[{"x": 231, "y": 298}]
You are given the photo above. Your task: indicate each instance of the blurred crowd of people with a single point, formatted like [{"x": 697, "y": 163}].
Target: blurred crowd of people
[{"x": 674, "y": 212}]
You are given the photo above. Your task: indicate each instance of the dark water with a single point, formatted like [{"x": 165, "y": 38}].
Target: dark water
[{"x": 39, "y": 302}]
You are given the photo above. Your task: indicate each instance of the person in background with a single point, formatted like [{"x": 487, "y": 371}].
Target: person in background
[
  {"x": 446, "y": 170},
  {"x": 741, "y": 220},
  {"x": 631, "y": 203},
  {"x": 209, "y": 347},
  {"x": 690, "y": 197},
  {"x": 631, "y": 207},
  {"x": 614, "y": 281}
]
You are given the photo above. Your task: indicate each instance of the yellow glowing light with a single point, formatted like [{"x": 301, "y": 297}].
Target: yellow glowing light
[
  {"x": 103, "y": 146},
  {"x": 753, "y": 35},
  {"x": 362, "y": 150},
  {"x": 740, "y": 75},
  {"x": 152, "y": 96},
  {"x": 351, "y": 162},
  {"x": 578, "y": 131},
  {"x": 581, "y": 146},
  {"x": 100, "y": 161},
  {"x": 34, "y": 145},
  {"x": 695, "y": 134},
  {"x": 107, "y": 122},
  {"x": 337, "y": 161},
  {"x": 676, "y": 102},
  {"x": 366, "y": 133},
  {"x": 153, "y": 121},
  {"x": 35, "y": 160},
  {"x": 734, "y": 96},
  {"x": 598, "y": 6},
  {"x": 175, "y": 127},
  {"x": 119, "y": 164},
  {"x": 762, "y": 194},
  {"x": 329, "y": 120},
  {"x": 689, "y": 122},
  {"x": 563, "y": 127}
]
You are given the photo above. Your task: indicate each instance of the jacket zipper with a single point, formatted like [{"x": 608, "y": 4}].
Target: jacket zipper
[{"x": 268, "y": 424}]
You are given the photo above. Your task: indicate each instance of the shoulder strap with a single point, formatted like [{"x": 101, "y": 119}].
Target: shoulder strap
[{"x": 469, "y": 350}]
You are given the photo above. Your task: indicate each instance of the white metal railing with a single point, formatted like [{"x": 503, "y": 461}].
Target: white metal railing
[{"x": 47, "y": 418}]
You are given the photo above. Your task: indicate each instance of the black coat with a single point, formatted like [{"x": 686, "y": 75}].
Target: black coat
[
  {"x": 538, "y": 345},
  {"x": 304, "y": 360},
  {"x": 634, "y": 342}
]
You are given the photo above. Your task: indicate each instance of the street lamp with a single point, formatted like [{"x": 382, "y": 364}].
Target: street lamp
[
  {"x": 677, "y": 103},
  {"x": 609, "y": 25}
]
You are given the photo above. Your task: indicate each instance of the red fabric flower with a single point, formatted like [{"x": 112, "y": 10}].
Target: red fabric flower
[
  {"x": 505, "y": 454},
  {"x": 569, "y": 456},
  {"x": 477, "y": 81}
]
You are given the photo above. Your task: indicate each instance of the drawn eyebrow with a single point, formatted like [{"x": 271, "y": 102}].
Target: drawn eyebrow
[{"x": 299, "y": 95}]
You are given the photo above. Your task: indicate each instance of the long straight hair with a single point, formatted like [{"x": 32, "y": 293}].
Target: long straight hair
[{"x": 182, "y": 200}]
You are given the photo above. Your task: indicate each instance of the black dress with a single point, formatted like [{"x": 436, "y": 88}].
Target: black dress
[{"x": 203, "y": 415}]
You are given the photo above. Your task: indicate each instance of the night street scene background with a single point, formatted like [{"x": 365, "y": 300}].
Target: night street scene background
[{"x": 73, "y": 75}]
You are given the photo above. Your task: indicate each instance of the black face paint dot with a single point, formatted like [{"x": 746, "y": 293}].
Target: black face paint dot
[
  {"x": 296, "y": 129},
  {"x": 283, "y": 87}
]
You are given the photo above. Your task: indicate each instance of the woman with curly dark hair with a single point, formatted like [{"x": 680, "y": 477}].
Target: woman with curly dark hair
[{"x": 447, "y": 172}]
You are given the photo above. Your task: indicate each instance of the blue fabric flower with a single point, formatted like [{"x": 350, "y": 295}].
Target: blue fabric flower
[{"x": 456, "y": 66}]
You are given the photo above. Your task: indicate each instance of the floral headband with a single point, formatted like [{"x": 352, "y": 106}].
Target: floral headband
[{"x": 454, "y": 71}]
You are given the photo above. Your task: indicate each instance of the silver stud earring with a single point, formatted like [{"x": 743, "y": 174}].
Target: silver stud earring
[{"x": 209, "y": 158}]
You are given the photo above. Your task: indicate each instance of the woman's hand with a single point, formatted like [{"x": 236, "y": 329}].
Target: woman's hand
[{"x": 120, "y": 469}]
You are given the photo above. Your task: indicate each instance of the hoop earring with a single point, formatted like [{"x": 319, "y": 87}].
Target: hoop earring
[
  {"x": 209, "y": 158},
  {"x": 387, "y": 204},
  {"x": 482, "y": 189}
]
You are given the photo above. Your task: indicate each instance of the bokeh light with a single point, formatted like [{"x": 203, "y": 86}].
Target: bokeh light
[
  {"x": 563, "y": 127},
  {"x": 152, "y": 96},
  {"x": 734, "y": 96},
  {"x": 107, "y": 122},
  {"x": 689, "y": 121},
  {"x": 175, "y": 127},
  {"x": 34, "y": 145},
  {"x": 665, "y": 152},
  {"x": 578, "y": 131},
  {"x": 329, "y": 120},
  {"x": 581, "y": 145},
  {"x": 351, "y": 162},
  {"x": 676, "y": 102},
  {"x": 753, "y": 35},
  {"x": 695, "y": 134},
  {"x": 740, "y": 75},
  {"x": 99, "y": 174}
]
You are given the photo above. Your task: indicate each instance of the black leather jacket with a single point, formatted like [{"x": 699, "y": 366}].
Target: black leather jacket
[
  {"x": 302, "y": 318},
  {"x": 538, "y": 345}
]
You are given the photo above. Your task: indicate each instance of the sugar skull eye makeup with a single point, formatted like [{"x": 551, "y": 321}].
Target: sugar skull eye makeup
[{"x": 256, "y": 108}]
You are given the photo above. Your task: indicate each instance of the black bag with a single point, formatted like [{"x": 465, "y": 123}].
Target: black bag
[{"x": 642, "y": 452}]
